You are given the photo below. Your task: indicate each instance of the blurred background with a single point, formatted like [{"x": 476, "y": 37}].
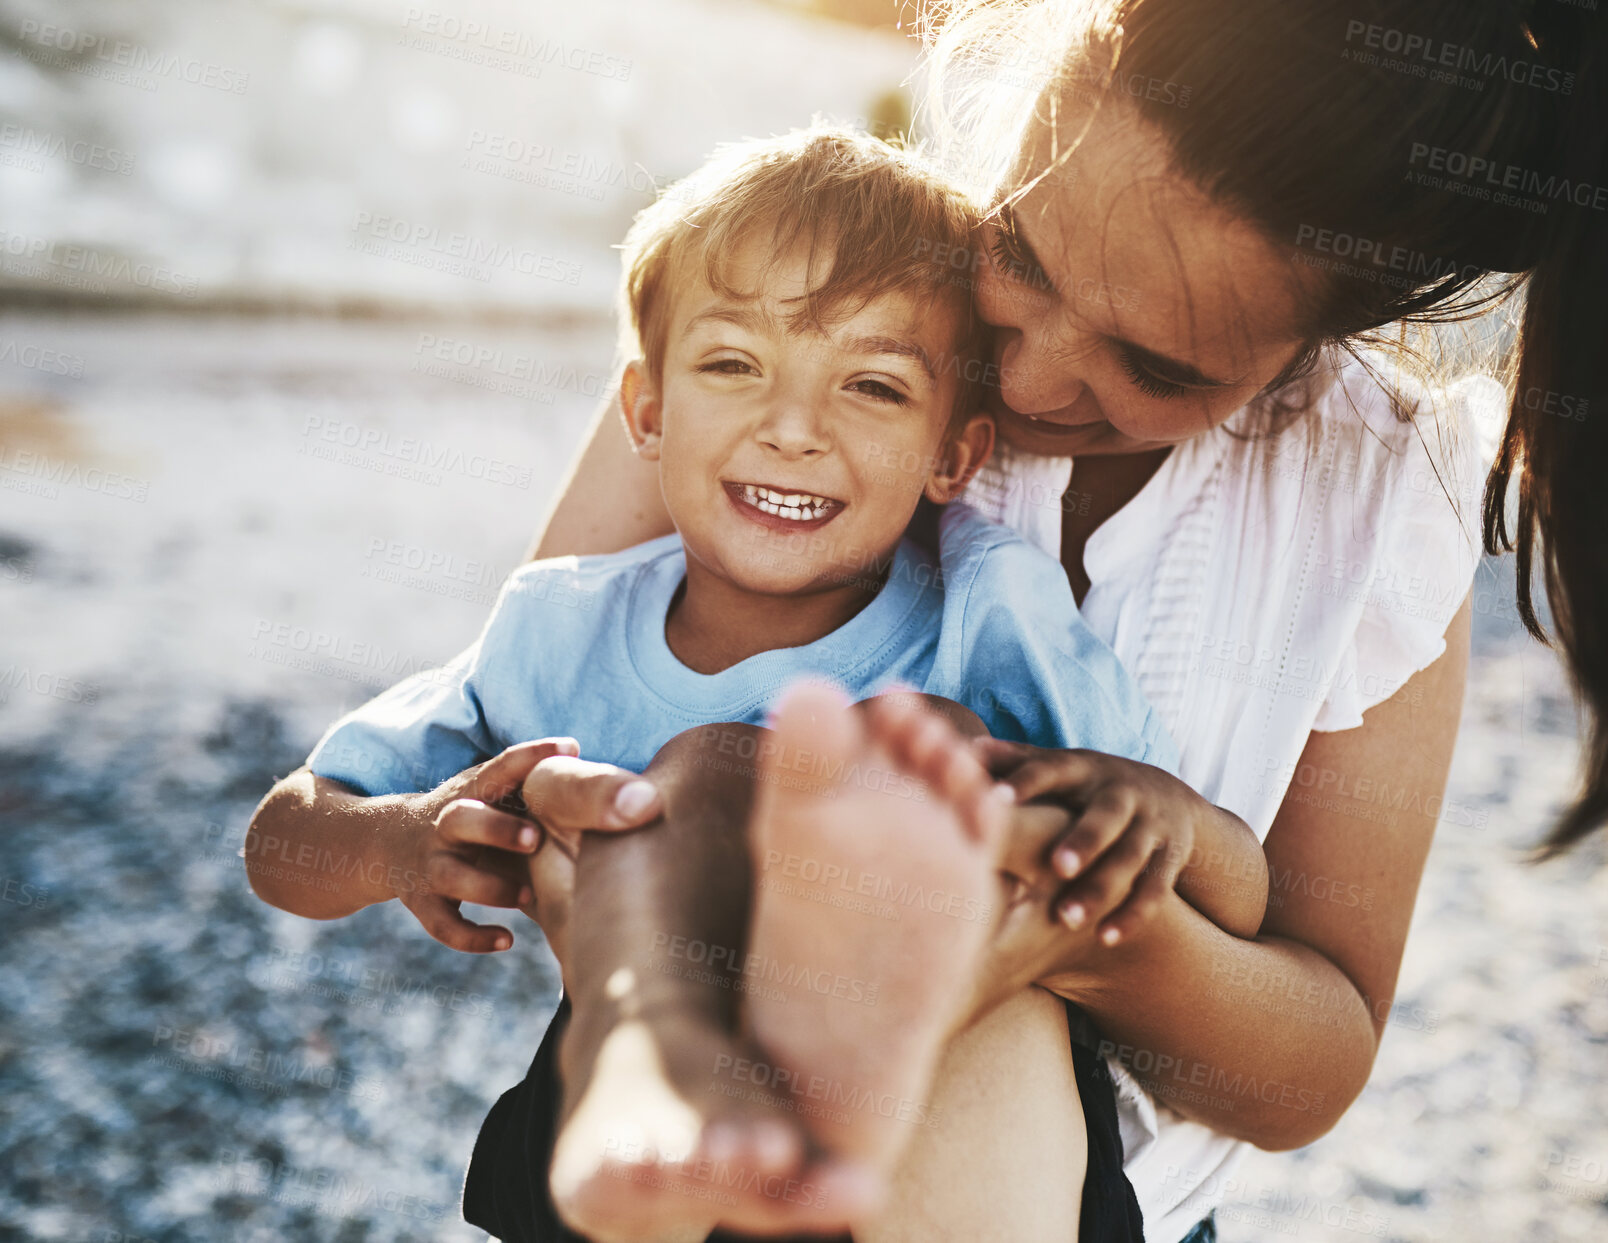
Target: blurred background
[{"x": 304, "y": 306}]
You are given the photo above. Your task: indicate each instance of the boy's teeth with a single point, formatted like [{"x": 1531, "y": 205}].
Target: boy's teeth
[{"x": 801, "y": 505}]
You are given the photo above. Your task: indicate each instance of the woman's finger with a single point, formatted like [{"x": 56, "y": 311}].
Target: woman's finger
[
  {"x": 502, "y": 775},
  {"x": 1102, "y": 822},
  {"x": 1106, "y": 885},
  {"x": 564, "y": 792},
  {"x": 441, "y": 918},
  {"x": 459, "y": 880},
  {"x": 469, "y": 821}
]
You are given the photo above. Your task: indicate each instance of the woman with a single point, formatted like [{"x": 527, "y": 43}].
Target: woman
[{"x": 1207, "y": 209}]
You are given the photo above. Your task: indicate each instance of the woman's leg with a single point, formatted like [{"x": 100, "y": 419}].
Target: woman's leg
[{"x": 1006, "y": 1159}]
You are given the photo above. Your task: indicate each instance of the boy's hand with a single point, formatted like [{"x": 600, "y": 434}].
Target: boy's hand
[
  {"x": 472, "y": 844},
  {"x": 1132, "y": 830},
  {"x": 485, "y": 834}
]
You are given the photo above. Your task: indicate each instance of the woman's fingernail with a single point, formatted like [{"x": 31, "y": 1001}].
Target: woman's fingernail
[
  {"x": 1073, "y": 914},
  {"x": 1003, "y": 793},
  {"x": 503, "y": 941},
  {"x": 634, "y": 798},
  {"x": 569, "y": 746},
  {"x": 525, "y": 895},
  {"x": 527, "y": 837},
  {"x": 1067, "y": 862},
  {"x": 1111, "y": 936}
]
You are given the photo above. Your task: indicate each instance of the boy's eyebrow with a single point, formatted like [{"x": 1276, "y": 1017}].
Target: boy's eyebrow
[
  {"x": 757, "y": 321},
  {"x": 750, "y": 318},
  {"x": 896, "y": 346}
]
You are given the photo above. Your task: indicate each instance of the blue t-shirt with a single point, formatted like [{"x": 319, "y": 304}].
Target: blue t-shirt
[{"x": 575, "y": 647}]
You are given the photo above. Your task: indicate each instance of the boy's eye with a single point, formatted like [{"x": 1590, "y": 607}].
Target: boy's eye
[
  {"x": 879, "y": 391},
  {"x": 728, "y": 366},
  {"x": 1145, "y": 380}
]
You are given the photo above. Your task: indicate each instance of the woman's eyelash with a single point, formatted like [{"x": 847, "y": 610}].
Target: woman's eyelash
[
  {"x": 1008, "y": 255},
  {"x": 1147, "y": 381}
]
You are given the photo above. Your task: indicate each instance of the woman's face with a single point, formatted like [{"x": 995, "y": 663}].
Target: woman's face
[{"x": 1132, "y": 311}]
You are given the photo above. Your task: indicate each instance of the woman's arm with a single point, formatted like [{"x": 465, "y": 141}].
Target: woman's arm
[
  {"x": 1271, "y": 1040},
  {"x": 609, "y": 501}
]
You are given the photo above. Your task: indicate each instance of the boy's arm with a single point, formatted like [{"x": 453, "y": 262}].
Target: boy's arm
[
  {"x": 317, "y": 848},
  {"x": 1136, "y": 833}
]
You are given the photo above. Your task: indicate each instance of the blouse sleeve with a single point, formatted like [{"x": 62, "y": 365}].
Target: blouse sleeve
[{"x": 1421, "y": 501}]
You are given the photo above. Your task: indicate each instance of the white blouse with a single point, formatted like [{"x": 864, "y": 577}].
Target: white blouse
[{"x": 1258, "y": 588}]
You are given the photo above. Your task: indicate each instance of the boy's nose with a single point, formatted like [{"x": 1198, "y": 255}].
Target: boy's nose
[{"x": 793, "y": 427}]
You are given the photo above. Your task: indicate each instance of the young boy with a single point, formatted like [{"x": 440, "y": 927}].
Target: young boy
[{"x": 805, "y": 375}]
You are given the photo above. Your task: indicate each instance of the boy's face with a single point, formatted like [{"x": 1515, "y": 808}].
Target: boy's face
[{"x": 792, "y": 459}]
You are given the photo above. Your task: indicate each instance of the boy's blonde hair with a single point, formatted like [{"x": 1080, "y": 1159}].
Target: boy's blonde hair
[{"x": 872, "y": 219}]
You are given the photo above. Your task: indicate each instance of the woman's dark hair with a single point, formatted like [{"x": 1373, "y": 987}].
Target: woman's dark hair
[{"x": 1424, "y": 159}]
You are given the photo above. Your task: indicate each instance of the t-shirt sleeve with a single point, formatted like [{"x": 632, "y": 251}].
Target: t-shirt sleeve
[
  {"x": 423, "y": 730},
  {"x": 1426, "y": 548},
  {"x": 1014, "y": 650}
]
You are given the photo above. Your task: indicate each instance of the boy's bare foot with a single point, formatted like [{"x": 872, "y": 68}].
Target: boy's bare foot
[
  {"x": 876, "y": 839},
  {"x": 659, "y": 1143}
]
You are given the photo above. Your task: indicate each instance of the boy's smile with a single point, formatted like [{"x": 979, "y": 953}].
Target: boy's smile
[
  {"x": 783, "y": 509},
  {"x": 793, "y": 451}
]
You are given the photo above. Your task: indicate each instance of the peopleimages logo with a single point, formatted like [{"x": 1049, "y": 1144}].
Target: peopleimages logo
[
  {"x": 86, "y": 45},
  {"x": 1494, "y": 176},
  {"x": 463, "y": 254},
  {"x": 1439, "y": 60}
]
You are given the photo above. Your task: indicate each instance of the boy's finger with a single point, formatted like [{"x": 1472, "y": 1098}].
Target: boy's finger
[
  {"x": 1031, "y": 831},
  {"x": 457, "y": 880},
  {"x": 1102, "y": 823},
  {"x": 1001, "y": 757},
  {"x": 442, "y": 920},
  {"x": 1142, "y": 904},
  {"x": 1106, "y": 885},
  {"x": 568, "y": 793},
  {"x": 501, "y": 775},
  {"x": 472, "y": 822},
  {"x": 1062, "y": 774}
]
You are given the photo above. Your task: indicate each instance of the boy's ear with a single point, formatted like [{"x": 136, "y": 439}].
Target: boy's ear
[
  {"x": 640, "y": 404},
  {"x": 960, "y": 458}
]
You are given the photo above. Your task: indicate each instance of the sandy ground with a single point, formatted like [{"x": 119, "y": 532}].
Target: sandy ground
[{"x": 216, "y": 535}]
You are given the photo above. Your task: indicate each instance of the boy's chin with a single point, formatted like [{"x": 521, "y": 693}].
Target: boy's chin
[{"x": 803, "y": 580}]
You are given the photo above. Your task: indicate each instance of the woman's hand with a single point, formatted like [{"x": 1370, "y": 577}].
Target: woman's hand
[
  {"x": 1133, "y": 830},
  {"x": 483, "y": 837}
]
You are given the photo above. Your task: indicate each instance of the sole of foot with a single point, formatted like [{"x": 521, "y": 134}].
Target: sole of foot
[
  {"x": 876, "y": 840},
  {"x": 659, "y": 1147}
]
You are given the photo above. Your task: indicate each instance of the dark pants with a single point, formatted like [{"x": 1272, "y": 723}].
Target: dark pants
[{"x": 505, "y": 1192}]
